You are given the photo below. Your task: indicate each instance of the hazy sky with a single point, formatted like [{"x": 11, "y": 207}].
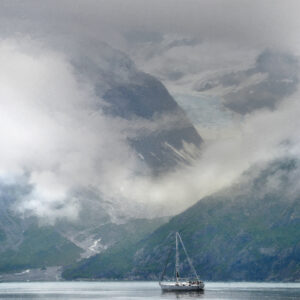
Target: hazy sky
[{"x": 233, "y": 65}]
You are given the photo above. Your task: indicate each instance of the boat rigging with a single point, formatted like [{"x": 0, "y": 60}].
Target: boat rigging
[{"x": 180, "y": 284}]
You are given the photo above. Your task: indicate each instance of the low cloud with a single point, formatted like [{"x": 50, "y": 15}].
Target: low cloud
[
  {"x": 263, "y": 137},
  {"x": 57, "y": 140},
  {"x": 56, "y": 135},
  {"x": 52, "y": 130},
  {"x": 273, "y": 78}
]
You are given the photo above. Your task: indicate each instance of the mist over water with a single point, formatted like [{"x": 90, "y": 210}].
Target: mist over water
[{"x": 145, "y": 290}]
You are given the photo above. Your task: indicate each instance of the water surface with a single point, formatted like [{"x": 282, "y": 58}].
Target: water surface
[{"x": 145, "y": 290}]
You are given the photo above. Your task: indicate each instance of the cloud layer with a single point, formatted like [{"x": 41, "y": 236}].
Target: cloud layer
[
  {"x": 52, "y": 130},
  {"x": 55, "y": 70}
]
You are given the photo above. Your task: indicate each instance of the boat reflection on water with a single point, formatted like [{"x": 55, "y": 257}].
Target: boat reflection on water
[{"x": 184, "y": 294}]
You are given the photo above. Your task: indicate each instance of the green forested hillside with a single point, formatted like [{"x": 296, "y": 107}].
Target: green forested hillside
[
  {"x": 250, "y": 231},
  {"x": 41, "y": 246},
  {"x": 44, "y": 246}
]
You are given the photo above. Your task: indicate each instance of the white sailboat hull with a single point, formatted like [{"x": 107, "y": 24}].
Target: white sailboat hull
[{"x": 181, "y": 286}]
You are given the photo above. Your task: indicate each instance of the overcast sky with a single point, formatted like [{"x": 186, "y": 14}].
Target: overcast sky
[{"x": 232, "y": 65}]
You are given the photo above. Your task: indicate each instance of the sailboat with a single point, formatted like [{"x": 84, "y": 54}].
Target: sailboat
[{"x": 181, "y": 284}]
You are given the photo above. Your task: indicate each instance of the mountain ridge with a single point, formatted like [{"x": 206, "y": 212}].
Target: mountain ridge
[
  {"x": 130, "y": 95},
  {"x": 243, "y": 233}
]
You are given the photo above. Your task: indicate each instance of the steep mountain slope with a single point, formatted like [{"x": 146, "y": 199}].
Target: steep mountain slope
[
  {"x": 146, "y": 98},
  {"x": 26, "y": 244},
  {"x": 99, "y": 237},
  {"x": 163, "y": 137},
  {"x": 41, "y": 246},
  {"x": 23, "y": 243},
  {"x": 248, "y": 232}
]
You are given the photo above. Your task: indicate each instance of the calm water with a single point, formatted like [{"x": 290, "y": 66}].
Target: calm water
[{"x": 144, "y": 290}]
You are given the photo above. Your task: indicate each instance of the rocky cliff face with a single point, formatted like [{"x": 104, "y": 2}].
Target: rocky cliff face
[
  {"x": 248, "y": 232},
  {"x": 145, "y": 98},
  {"x": 163, "y": 135}
]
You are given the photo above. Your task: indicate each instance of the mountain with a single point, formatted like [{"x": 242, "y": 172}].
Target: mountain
[
  {"x": 99, "y": 237},
  {"x": 146, "y": 98},
  {"x": 250, "y": 231},
  {"x": 163, "y": 138},
  {"x": 163, "y": 135},
  {"x": 25, "y": 243}
]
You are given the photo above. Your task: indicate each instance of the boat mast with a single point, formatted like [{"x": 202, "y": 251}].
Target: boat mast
[
  {"x": 177, "y": 259},
  {"x": 187, "y": 256}
]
